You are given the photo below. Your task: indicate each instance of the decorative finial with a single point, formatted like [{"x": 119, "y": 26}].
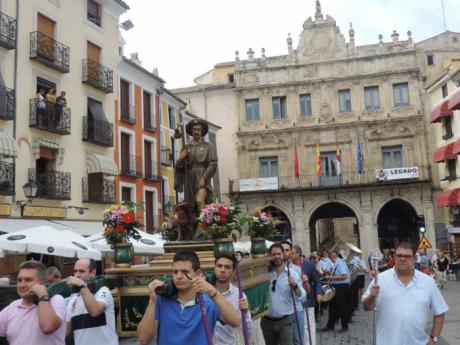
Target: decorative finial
[
  {"x": 318, "y": 14},
  {"x": 289, "y": 41},
  {"x": 237, "y": 53},
  {"x": 380, "y": 38},
  {"x": 395, "y": 36},
  {"x": 409, "y": 36},
  {"x": 351, "y": 32},
  {"x": 250, "y": 53},
  {"x": 263, "y": 53}
]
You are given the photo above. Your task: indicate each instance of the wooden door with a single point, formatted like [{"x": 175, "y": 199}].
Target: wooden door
[
  {"x": 124, "y": 98},
  {"x": 125, "y": 166},
  {"x": 45, "y": 43},
  {"x": 147, "y": 100},
  {"x": 95, "y": 186},
  {"x": 148, "y": 159},
  {"x": 149, "y": 217},
  {"x": 93, "y": 52},
  {"x": 45, "y": 26}
]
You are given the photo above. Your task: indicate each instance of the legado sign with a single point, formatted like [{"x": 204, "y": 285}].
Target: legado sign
[{"x": 396, "y": 174}]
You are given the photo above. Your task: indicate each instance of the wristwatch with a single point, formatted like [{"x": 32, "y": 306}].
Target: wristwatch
[
  {"x": 44, "y": 298},
  {"x": 81, "y": 286},
  {"x": 435, "y": 339}
]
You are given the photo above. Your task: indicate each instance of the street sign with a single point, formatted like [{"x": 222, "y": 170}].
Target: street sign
[{"x": 424, "y": 243}]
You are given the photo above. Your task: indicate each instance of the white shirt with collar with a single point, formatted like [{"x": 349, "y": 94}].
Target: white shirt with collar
[
  {"x": 225, "y": 334},
  {"x": 403, "y": 312}
]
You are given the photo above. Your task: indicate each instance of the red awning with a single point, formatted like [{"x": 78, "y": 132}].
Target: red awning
[
  {"x": 456, "y": 148},
  {"x": 454, "y": 101},
  {"x": 441, "y": 111},
  {"x": 444, "y": 153},
  {"x": 450, "y": 197}
]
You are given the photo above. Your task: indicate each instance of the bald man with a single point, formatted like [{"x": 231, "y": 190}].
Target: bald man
[{"x": 90, "y": 316}]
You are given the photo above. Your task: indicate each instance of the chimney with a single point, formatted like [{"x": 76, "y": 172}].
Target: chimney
[
  {"x": 135, "y": 58},
  {"x": 155, "y": 72}
]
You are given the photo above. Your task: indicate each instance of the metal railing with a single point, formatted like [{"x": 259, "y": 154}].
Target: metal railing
[
  {"x": 128, "y": 113},
  {"x": 49, "y": 52},
  {"x": 7, "y": 178},
  {"x": 97, "y": 132},
  {"x": 97, "y": 75},
  {"x": 149, "y": 122},
  {"x": 7, "y": 103},
  {"x": 131, "y": 165},
  {"x": 93, "y": 18},
  {"x": 151, "y": 171},
  {"x": 52, "y": 184},
  {"x": 347, "y": 179},
  {"x": 7, "y": 31},
  {"x": 165, "y": 156},
  {"x": 49, "y": 116},
  {"x": 98, "y": 193}
]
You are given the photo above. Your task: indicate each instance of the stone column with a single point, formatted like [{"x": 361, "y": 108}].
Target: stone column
[
  {"x": 368, "y": 233},
  {"x": 429, "y": 223},
  {"x": 301, "y": 234}
]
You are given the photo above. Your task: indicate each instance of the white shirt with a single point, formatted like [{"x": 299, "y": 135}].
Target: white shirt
[
  {"x": 403, "y": 311},
  {"x": 224, "y": 334},
  {"x": 89, "y": 330}
]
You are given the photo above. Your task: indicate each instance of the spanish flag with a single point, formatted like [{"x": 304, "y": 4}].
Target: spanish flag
[
  {"x": 338, "y": 159},
  {"x": 318, "y": 161}
]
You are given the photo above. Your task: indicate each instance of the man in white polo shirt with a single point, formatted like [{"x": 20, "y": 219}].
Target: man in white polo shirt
[
  {"x": 404, "y": 298},
  {"x": 90, "y": 316}
]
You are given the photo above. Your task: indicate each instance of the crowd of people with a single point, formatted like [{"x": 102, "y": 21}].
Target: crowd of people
[
  {"x": 49, "y": 108},
  {"x": 194, "y": 310}
]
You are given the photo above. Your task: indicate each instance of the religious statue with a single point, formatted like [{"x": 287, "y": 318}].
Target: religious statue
[{"x": 195, "y": 168}]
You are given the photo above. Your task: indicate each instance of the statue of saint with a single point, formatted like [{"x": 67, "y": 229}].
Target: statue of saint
[{"x": 195, "y": 168}]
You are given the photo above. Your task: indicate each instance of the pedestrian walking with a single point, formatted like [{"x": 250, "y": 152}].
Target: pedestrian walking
[
  {"x": 441, "y": 268},
  {"x": 404, "y": 298}
]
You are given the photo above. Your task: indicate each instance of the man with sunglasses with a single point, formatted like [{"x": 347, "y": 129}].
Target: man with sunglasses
[
  {"x": 277, "y": 326},
  {"x": 404, "y": 298}
]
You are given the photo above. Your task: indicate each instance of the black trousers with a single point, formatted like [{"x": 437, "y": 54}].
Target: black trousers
[{"x": 340, "y": 306}]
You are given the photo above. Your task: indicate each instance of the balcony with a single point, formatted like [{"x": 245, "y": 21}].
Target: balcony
[
  {"x": 7, "y": 103},
  {"x": 7, "y": 31},
  {"x": 93, "y": 18},
  {"x": 165, "y": 156},
  {"x": 7, "y": 178},
  {"x": 149, "y": 123},
  {"x": 128, "y": 113},
  {"x": 151, "y": 171},
  {"x": 100, "y": 192},
  {"x": 97, "y": 76},
  {"x": 51, "y": 185},
  {"x": 49, "y": 52},
  {"x": 131, "y": 166},
  {"x": 347, "y": 179},
  {"x": 98, "y": 132},
  {"x": 49, "y": 117}
]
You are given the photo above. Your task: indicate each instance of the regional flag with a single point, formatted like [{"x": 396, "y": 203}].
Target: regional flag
[
  {"x": 296, "y": 161},
  {"x": 318, "y": 161},
  {"x": 338, "y": 159},
  {"x": 360, "y": 158}
]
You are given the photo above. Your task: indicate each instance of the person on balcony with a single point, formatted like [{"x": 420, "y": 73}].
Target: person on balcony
[
  {"x": 50, "y": 99},
  {"x": 41, "y": 107},
  {"x": 61, "y": 102}
]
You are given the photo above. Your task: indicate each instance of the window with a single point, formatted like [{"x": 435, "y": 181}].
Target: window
[
  {"x": 93, "y": 12},
  {"x": 401, "y": 94},
  {"x": 268, "y": 167},
  {"x": 345, "y": 101},
  {"x": 231, "y": 78},
  {"x": 252, "y": 110},
  {"x": 124, "y": 100},
  {"x": 126, "y": 193},
  {"x": 444, "y": 91},
  {"x": 392, "y": 157},
  {"x": 430, "y": 60},
  {"x": 305, "y": 105},
  {"x": 149, "y": 117},
  {"x": 447, "y": 127},
  {"x": 172, "y": 117},
  {"x": 371, "y": 97},
  {"x": 328, "y": 163},
  {"x": 451, "y": 167},
  {"x": 279, "y": 107},
  {"x": 149, "y": 212}
]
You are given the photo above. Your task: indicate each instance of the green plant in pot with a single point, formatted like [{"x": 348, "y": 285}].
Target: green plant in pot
[{"x": 259, "y": 226}]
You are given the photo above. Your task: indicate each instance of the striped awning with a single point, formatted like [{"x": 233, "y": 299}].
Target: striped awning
[
  {"x": 96, "y": 163},
  {"x": 8, "y": 146}
]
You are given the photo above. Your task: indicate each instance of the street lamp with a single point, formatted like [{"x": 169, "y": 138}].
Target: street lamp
[{"x": 30, "y": 191}]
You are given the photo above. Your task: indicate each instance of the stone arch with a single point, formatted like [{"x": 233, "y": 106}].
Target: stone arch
[
  {"x": 410, "y": 199},
  {"x": 349, "y": 203}
]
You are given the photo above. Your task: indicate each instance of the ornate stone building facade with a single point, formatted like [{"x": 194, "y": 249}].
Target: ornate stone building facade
[{"x": 331, "y": 96}]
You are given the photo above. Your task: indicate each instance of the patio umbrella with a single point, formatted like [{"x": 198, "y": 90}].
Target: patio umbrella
[
  {"x": 47, "y": 240},
  {"x": 148, "y": 244}
]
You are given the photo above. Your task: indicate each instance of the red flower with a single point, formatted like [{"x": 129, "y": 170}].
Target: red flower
[
  {"x": 224, "y": 220},
  {"x": 128, "y": 218},
  {"x": 120, "y": 228},
  {"x": 223, "y": 211},
  {"x": 203, "y": 226},
  {"x": 257, "y": 214}
]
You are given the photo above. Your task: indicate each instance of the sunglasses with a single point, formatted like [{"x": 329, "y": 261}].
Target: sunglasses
[
  {"x": 273, "y": 285},
  {"x": 400, "y": 256}
]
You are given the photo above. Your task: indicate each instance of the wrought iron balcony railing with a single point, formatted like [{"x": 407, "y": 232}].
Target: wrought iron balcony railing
[
  {"x": 7, "y": 103},
  {"x": 128, "y": 113},
  {"x": 97, "y": 132},
  {"x": 97, "y": 75},
  {"x": 165, "y": 156},
  {"x": 49, "y": 52},
  {"x": 7, "y": 31},
  {"x": 52, "y": 184},
  {"x": 93, "y": 18},
  {"x": 102, "y": 192},
  {"x": 347, "y": 179},
  {"x": 131, "y": 166},
  {"x": 7, "y": 174},
  {"x": 151, "y": 171},
  {"x": 149, "y": 122},
  {"x": 49, "y": 117}
]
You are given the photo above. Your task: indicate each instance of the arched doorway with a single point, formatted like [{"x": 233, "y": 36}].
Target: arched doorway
[
  {"x": 397, "y": 222},
  {"x": 284, "y": 228},
  {"x": 331, "y": 223}
]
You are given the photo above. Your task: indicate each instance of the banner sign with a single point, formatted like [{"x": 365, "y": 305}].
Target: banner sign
[
  {"x": 258, "y": 299},
  {"x": 396, "y": 174},
  {"x": 255, "y": 184}
]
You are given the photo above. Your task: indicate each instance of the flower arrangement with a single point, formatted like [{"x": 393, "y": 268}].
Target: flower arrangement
[
  {"x": 120, "y": 223},
  {"x": 218, "y": 220},
  {"x": 260, "y": 224},
  {"x": 168, "y": 229}
]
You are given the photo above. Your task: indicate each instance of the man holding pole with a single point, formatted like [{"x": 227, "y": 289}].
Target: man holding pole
[
  {"x": 224, "y": 269},
  {"x": 404, "y": 298}
]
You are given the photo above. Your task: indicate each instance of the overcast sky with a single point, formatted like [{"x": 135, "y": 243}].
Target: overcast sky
[{"x": 185, "y": 38}]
